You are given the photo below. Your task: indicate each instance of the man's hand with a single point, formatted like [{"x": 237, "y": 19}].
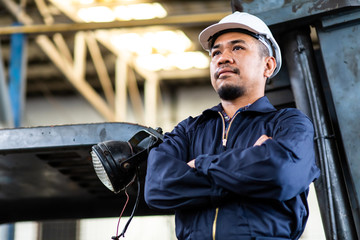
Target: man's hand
[
  {"x": 191, "y": 163},
  {"x": 261, "y": 140}
]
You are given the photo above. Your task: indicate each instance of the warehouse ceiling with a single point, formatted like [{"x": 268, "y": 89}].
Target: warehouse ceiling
[
  {"x": 95, "y": 17},
  {"x": 110, "y": 51},
  {"x": 107, "y": 50}
]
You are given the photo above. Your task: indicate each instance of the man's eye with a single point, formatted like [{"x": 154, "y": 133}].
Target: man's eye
[
  {"x": 215, "y": 53},
  {"x": 238, "y": 48}
]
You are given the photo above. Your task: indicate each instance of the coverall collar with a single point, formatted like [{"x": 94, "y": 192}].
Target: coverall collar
[{"x": 261, "y": 105}]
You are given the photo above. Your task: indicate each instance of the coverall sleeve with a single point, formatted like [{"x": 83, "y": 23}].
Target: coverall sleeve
[
  {"x": 280, "y": 168},
  {"x": 170, "y": 182}
]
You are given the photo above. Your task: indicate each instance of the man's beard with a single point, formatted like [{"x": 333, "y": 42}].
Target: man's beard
[{"x": 230, "y": 92}]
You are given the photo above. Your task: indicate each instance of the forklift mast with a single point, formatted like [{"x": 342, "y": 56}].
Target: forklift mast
[{"x": 321, "y": 50}]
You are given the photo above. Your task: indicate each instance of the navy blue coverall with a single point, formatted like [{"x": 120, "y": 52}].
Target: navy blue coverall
[{"x": 237, "y": 190}]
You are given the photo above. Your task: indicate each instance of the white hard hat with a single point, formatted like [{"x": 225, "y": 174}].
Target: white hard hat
[{"x": 248, "y": 22}]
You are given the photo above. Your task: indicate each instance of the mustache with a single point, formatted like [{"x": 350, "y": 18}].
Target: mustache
[{"x": 227, "y": 66}]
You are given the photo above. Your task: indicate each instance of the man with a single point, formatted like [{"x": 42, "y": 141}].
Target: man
[{"x": 242, "y": 169}]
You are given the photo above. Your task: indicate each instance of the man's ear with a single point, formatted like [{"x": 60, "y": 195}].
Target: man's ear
[{"x": 270, "y": 65}]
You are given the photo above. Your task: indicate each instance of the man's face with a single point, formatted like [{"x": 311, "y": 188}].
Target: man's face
[{"x": 237, "y": 67}]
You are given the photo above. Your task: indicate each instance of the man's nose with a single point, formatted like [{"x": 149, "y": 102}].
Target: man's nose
[{"x": 226, "y": 57}]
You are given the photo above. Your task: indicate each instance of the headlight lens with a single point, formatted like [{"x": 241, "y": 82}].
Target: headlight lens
[{"x": 100, "y": 171}]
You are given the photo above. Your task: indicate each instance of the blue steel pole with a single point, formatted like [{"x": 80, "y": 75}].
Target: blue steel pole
[
  {"x": 6, "y": 116},
  {"x": 7, "y": 231},
  {"x": 17, "y": 73}
]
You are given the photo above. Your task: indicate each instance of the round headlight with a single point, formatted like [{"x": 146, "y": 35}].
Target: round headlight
[{"x": 108, "y": 158}]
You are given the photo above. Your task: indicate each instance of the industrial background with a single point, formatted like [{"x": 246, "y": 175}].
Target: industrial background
[{"x": 77, "y": 72}]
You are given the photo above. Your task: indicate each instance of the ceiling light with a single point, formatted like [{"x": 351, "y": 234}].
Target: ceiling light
[
  {"x": 86, "y": 2},
  {"x": 151, "y": 62},
  {"x": 140, "y": 11},
  {"x": 96, "y": 14},
  {"x": 163, "y": 42},
  {"x": 102, "y": 13},
  {"x": 168, "y": 41},
  {"x": 183, "y": 61},
  {"x": 132, "y": 42}
]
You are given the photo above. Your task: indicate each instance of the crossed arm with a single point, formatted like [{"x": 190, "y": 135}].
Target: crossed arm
[
  {"x": 276, "y": 167},
  {"x": 260, "y": 141}
]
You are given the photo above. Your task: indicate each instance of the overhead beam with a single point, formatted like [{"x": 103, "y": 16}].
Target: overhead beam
[
  {"x": 79, "y": 83},
  {"x": 135, "y": 96},
  {"x": 121, "y": 79},
  {"x": 72, "y": 27},
  {"x": 62, "y": 46},
  {"x": 101, "y": 69},
  {"x": 18, "y": 12},
  {"x": 79, "y": 55},
  {"x": 44, "y": 11}
]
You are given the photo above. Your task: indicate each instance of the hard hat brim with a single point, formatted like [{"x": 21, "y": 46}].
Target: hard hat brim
[{"x": 210, "y": 31}]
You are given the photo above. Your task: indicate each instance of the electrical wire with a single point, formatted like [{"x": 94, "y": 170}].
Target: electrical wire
[
  {"x": 127, "y": 201},
  {"x": 137, "y": 176},
  {"x": 122, "y": 234}
]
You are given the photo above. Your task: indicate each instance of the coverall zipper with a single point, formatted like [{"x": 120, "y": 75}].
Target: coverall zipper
[
  {"x": 214, "y": 223},
  {"x": 224, "y": 142},
  {"x": 226, "y": 131}
]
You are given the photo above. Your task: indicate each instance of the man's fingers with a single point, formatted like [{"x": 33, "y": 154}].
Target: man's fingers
[
  {"x": 191, "y": 163},
  {"x": 261, "y": 140}
]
